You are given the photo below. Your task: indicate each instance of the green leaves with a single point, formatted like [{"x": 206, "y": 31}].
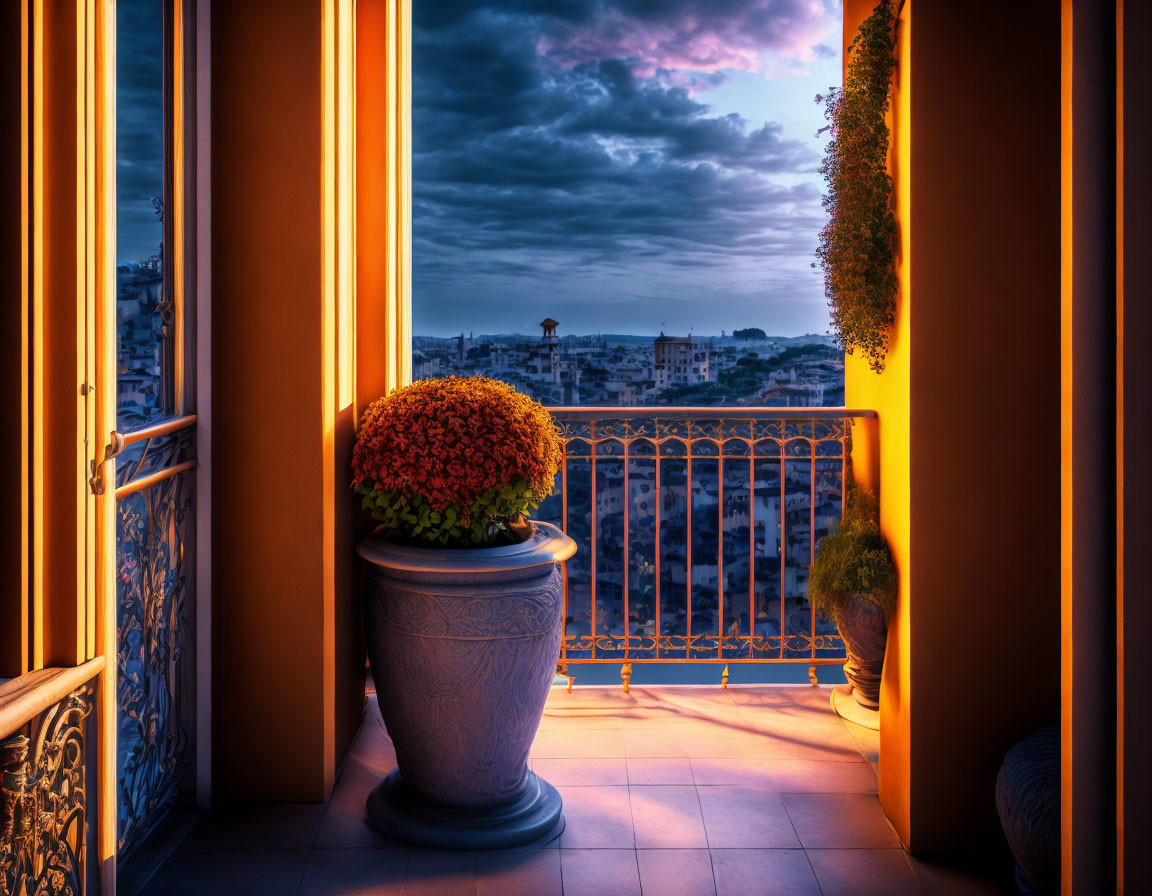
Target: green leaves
[
  {"x": 854, "y": 560},
  {"x": 410, "y": 518},
  {"x": 858, "y": 244}
]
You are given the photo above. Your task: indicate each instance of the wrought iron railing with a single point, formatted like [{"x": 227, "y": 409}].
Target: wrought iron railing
[
  {"x": 44, "y": 805},
  {"x": 155, "y": 622},
  {"x": 696, "y": 530}
]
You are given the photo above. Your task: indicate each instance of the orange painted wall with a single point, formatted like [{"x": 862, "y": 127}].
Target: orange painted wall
[
  {"x": 969, "y": 413},
  {"x": 44, "y": 611},
  {"x": 1088, "y": 447},
  {"x": 285, "y": 688},
  {"x": 888, "y": 472},
  {"x": 1134, "y": 374},
  {"x": 373, "y": 211},
  {"x": 57, "y": 575},
  {"x": 383, "y": 198},
  {"x": 11, "y": 327}
]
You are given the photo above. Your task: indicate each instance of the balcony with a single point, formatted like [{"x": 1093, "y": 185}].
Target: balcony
[
  {"x": 696, "y": 531},
  {"x": 180, "y": 622},
  {"x": 667, "y": 790}
]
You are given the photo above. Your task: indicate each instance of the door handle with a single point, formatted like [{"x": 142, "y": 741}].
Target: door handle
[{"x": 115, "y": 446}]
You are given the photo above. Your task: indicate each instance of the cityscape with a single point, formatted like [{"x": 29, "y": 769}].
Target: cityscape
[
  {"x": 696, "y": 534},
  {"x": 745, "y": 368},
  {"x": 143, "y": 343}
]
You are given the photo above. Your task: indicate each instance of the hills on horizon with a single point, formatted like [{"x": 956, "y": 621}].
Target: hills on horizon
[{"x": 637, "y": 338}]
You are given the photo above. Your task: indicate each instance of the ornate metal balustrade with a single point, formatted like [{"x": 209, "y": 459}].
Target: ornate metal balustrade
[
  {"x": 155, "y": 622},
  {"x": 697, "y": 528},
  {"x": 43, "y": 781}
]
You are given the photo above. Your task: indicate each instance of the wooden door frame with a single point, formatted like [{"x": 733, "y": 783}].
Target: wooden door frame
[
  {"x": 68, "y": 238},
  {"x": 103, "y": 372},
  {"x": 180, "y": 237}
]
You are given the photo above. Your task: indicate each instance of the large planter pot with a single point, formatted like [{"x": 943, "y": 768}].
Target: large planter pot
[
  {"x": 463, "y": 646},
  {"x": 1028, "y": 800},
  {"x": 864, "y": 628}
]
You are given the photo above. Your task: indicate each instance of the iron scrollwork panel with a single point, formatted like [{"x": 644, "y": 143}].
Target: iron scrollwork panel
[
  {"x": 155, "y": 619},
  {"x": 43, "y": 802},
  {"x": 697, "y": 534}
]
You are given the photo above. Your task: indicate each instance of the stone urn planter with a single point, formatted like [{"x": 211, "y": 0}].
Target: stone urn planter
[
  {"x": 854, "y": 581},
  {"x": 864, "y": 628},
  {"x": 1028, "y": 801},
  {"x": 463, "y": 644}
]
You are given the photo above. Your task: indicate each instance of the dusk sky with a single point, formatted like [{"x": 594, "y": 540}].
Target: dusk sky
[
  {"x": 139, "y": 127},
  {"x": 620, "y": 165}
]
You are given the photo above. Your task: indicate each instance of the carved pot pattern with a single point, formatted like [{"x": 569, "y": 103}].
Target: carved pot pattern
[
  {"x": 864, "y": 629},
  {"x": 463, "y": 646},
  {"x": 1028, "y": 801}
]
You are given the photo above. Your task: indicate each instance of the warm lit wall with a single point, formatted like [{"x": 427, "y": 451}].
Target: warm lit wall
[
  {"x": 969, "y": 412},
  {"x": 11, "y": 332},
  {"x": 54, "y": 461},
  {"x": 287, "y": 675},
  {"x": 889, "y": 395},
  {"x": 58, "y": 284},
  {"x": 383, "y": 197},
  {"x": 1088, "y": 447},
  {"x": 383, "y": 334},
  {"x": 1106, "y": 301},
  {"x": 1134, "y": 372}
]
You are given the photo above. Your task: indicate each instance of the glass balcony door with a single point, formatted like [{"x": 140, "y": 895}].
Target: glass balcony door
[{"x": 154, "y": 443}]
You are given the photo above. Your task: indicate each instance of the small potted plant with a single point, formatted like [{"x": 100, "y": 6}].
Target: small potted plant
[
  {"x": 854, "y": 581},
  {"x": 463, "y": 608}
]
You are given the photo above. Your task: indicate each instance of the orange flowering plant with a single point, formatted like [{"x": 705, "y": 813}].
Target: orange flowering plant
[{"x": 457, "y": 461}]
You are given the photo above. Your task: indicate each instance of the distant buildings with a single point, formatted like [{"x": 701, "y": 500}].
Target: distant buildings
[
  {"x": 143, "y": 342},
  {"x": 688, "y": 549},
  {"x": 627, "y": 371},
  {"x": 551, "y": 371},
  {"x": 680, "y": 361}
]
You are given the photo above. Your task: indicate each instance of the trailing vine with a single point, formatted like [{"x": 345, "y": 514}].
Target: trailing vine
[{"x": 857, "y": 245}]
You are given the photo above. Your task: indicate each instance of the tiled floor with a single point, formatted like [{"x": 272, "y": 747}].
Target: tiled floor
[{"x": 669, "y": 791}]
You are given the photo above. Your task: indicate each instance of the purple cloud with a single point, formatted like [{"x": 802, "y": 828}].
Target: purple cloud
[{"x": 765, "y": 36}]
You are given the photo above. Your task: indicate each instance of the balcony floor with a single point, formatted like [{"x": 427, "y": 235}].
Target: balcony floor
[{"x": 668, "y": 791}]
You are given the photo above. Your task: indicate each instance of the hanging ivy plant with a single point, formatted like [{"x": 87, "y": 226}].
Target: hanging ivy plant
[{"x": 857, "y": 245}]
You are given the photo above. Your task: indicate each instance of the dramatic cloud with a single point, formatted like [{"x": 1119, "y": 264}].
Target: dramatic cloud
[
  {"x": 601, "y": 161},
  {"x": 698, "y": 35},
  {"x": 619, "y": 164}
]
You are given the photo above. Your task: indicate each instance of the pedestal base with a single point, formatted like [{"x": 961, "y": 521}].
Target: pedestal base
[
  {"x": 535, "y": 817},
  {"x": 845, "y": 705}
]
